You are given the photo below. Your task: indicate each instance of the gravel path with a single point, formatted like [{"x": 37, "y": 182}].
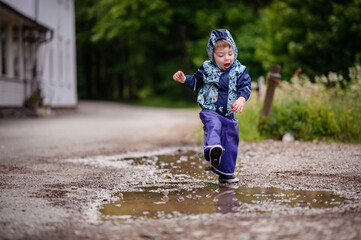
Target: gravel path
[
  {"x": 94, "y": 128},
  {"x": 44, "y": 195}
]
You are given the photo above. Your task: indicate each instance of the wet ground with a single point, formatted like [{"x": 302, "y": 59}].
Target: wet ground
[
  {"x": 94, "y": 185},
  {"x": 181, "y": 186},
  {"x": 287, "y": 191}
]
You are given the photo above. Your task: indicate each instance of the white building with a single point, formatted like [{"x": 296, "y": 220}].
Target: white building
[{"x": 37, "y": 52}]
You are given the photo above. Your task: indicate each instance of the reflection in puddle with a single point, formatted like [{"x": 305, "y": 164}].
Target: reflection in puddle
[
  {"x": 185, "y": 188},
  {"x": 153, "y": 202}
]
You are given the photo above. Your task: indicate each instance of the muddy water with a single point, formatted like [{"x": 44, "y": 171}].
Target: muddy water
[{"x": 183, "y": 187}]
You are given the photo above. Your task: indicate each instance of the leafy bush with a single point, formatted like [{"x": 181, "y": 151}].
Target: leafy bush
[
  {"x": 304, "y": 121},
  {"x": 327, "y": 109},
  {"x": 34, "y": 100}
]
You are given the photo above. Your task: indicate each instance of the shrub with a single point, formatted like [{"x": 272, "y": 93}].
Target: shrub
[
  {"x": 326, "y": 109},
  {"x": 304, "y": 121}
]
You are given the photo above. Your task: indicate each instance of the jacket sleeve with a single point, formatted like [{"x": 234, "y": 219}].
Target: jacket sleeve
[
  {"x": 195, "y": 81},
  {"x": 244, "y": 85}
]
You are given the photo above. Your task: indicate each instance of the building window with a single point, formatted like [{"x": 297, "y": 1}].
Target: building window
[
  {"x": 16, "y": 51},
  {"x": 51, "y": 63},
  {"x": 60, "y": 60},
  {"x": 68, "y": 62},
  {"x": 3, "y": 48}
]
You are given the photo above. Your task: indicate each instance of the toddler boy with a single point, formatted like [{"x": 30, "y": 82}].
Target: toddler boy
[{"x": 224, "y": 88}]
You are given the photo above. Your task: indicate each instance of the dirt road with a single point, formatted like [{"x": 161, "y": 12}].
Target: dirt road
[
  {"x": 94, "y": 128},
  {"x": 51, "y": 182}
]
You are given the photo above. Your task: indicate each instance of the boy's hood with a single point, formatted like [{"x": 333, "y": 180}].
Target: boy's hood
[{"x": 217, "y": 35}]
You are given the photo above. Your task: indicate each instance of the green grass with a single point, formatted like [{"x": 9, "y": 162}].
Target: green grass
[{"x": 248, "y": 120}]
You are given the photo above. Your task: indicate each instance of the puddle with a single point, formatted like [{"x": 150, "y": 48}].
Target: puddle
[{"x": 184, "y": 188}]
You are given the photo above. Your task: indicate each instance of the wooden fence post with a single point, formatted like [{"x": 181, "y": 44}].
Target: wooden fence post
[{"x": 272, "y": 81}]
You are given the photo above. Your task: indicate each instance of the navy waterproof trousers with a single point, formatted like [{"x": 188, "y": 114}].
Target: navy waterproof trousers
[{"x": 224, "y": 131}]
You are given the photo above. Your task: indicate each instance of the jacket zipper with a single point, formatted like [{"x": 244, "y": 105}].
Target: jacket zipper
[
  {"x": 195, "y": 84},
  {"x": 209, "y": 89}
]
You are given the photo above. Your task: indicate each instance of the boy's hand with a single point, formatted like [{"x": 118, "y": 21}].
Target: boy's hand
[
  {"x": 179, "y": 77},
  {"x": 237, "y": 106}
]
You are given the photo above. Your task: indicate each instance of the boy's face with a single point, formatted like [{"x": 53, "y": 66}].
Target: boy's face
[{"x": 223, "y": 57}]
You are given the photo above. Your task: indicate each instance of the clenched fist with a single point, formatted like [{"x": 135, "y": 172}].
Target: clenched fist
[{"x": 179, "y": 77}]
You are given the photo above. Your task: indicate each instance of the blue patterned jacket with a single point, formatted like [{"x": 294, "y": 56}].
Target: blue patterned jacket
[{"x": 218, "y": 88}]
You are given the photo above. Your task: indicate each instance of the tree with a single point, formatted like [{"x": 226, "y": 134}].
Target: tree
[
  {"x": 129, "y": 49},
  {"x": 318, "y": 36}
]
